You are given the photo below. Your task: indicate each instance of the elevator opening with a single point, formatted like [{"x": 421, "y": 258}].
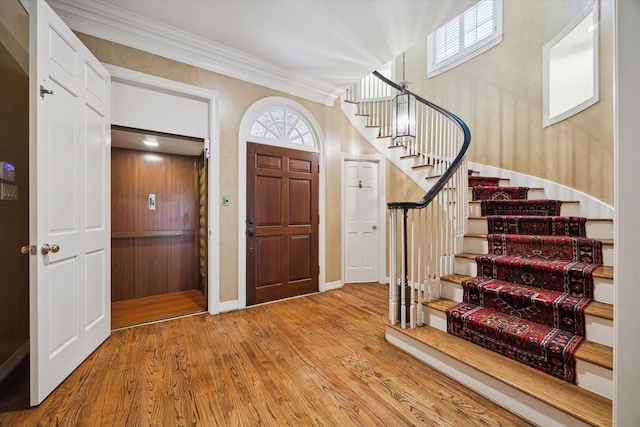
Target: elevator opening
[{"x": 158, "y": 226}]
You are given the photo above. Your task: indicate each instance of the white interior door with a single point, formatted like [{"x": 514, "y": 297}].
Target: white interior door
[
  {"x": 69, "y": 202},
  {"x": 362, "y": 230}
]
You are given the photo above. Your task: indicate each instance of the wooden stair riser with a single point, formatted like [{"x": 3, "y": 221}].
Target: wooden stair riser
[
  {"x": 602, "y": 287},
  {"x": 589, "y": 376},
  {"x": 479, "y": 245},
  {"x": 598, "y": 330},
  {"x": 533, "y": 194},
  {"x": 596, "y": 228}
]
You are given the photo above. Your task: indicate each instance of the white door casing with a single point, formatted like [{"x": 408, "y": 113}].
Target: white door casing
[
  {"x": 363, "y": 221},
  {"x": 69, "y": 187}
]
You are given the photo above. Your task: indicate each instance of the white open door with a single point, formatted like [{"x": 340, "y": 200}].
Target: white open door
[{"x": 69, "y": 219}]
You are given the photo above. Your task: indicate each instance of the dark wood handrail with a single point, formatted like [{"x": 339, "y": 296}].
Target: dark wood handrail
[{"x": 439, "y": 185}]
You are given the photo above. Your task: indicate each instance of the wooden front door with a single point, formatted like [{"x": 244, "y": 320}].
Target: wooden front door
[{"x": 282, "y": 223}]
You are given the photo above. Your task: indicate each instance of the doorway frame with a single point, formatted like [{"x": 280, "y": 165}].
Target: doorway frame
[
  {"x": 212, "y": 99},
  {"x": 380, "y": 160},
  {"x": 243, "y": 137}
]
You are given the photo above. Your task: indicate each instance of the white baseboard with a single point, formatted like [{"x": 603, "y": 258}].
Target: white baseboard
[
  {"x": 590, "y": 207},
  {"x": 225, "y": 306},
  {"x": 331, "y": 285},
  {"x": 14, "y": 360}
]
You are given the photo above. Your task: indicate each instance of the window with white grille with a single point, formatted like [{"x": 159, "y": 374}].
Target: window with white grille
[
  {"x": 284, "y": 125},
  {"x": 478, "y": 29}
]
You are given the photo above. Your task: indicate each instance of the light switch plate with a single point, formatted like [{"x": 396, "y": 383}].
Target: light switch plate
[
  {"x": 152, "y": 202},
  {"x": 8, "y": 192}
]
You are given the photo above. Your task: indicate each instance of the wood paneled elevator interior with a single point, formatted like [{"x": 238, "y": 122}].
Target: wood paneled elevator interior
[{"x": 158, "y": 238}]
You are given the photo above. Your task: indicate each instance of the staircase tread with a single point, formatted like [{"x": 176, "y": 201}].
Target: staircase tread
[
  {"x": 600, "y": 309},
  {"x": 607, "y": 242},
  {"x": 588, "y": 219},
  {"x": 604, "y": 272},
  {"x": 579, "y": 403},
  {"x": 422, "y": 166},
  {"x": 409, "y": 156},
  {"x": 592, "y": 352},
  {"x": 531, "y": 200},
  {"x": 595, "y": 308},
  {"x": 598, "y": 354},
  {"x": 507, "y": 186}
]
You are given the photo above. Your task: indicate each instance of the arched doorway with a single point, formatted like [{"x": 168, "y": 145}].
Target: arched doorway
[{"x": 283, "y": 132}]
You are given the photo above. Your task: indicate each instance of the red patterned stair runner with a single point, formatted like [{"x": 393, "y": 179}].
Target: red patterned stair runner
[
  {"x": 480, "y": 192},
  {"x": 537, "y": 225},
  {"x": 475, "y": 180},
  {"x": 527, "y": 301}
]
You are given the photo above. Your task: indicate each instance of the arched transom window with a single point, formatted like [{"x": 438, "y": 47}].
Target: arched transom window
[{"x": 284, "y": 125}]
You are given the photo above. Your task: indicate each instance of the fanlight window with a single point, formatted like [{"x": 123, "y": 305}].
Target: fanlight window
[{"x": 284, "y": 125}]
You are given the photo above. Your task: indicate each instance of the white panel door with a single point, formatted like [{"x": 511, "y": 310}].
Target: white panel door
[
  {"x": 361, "y": 222},
  {"x": 70, "y": 284}
]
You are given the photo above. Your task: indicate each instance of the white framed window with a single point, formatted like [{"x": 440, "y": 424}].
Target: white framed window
[
  {"x": 283, "y": 125},
  {"x": 466, "y": 36}
]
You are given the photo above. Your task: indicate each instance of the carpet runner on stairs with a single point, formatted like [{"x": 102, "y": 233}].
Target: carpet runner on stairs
[
  {"x": 537, "y": 225},
  {"x": 480, "y": 192},
  {"x": 528, "y": 299}
]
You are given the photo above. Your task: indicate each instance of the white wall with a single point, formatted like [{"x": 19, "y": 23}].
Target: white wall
[
  {"x": 146, "y": 108},
  {"x": 626, "y": 376}
]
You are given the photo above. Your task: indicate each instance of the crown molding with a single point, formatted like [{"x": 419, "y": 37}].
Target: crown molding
[{"x": 113, "y": 24}]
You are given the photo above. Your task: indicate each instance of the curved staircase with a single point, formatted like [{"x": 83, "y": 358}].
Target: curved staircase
[
  {"x": 505, "y": 257},
  {"x": 509, "y": 293}
]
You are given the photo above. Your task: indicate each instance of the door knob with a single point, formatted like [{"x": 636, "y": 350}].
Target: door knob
[
  {"x": 375, "y": 227},
  {"x": 45, "y": 249},
  {"x": 25, "y": 250},
  {"x": 251, "y": 232}
]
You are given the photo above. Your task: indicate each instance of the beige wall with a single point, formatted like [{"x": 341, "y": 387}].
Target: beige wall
[
  {"x": 499, "y": 95},
  {"x": 235, "y": 97}
]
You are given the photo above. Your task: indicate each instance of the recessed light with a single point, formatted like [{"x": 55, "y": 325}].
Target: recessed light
[
  {"x": 152, "y": 158},
  {"x": 151, "y": 143}
]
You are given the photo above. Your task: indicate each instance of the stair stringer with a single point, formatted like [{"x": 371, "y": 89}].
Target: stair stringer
[{"x": 381, "y": 144}]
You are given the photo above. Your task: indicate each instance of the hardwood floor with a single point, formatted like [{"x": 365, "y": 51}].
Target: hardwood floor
[
  {"x": 141, "y": 310},
  {"x": 318, "y": 360}
]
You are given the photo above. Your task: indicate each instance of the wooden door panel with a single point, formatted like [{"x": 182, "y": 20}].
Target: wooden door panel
[
  {"x": 282, "y": 212},
  {"x": 300, "y": 255},
  {"x": 264, "y": 161},
  {"x": 268, "y": 201},
  {"x": 300, "y": 165},
  {"x": 300, "y": 191},
  {"x": 269, "y": 251}
]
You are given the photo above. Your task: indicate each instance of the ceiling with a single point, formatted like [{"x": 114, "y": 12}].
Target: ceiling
[
  {"x": 306, "y": 48},
  {"x": 335, "y": 41}
]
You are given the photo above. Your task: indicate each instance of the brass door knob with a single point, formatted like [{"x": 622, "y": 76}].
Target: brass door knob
[
  {"x": 45, "y": 249},
  {"x": 375, "y": 227},
  {"x": 25, "y": 250}
]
